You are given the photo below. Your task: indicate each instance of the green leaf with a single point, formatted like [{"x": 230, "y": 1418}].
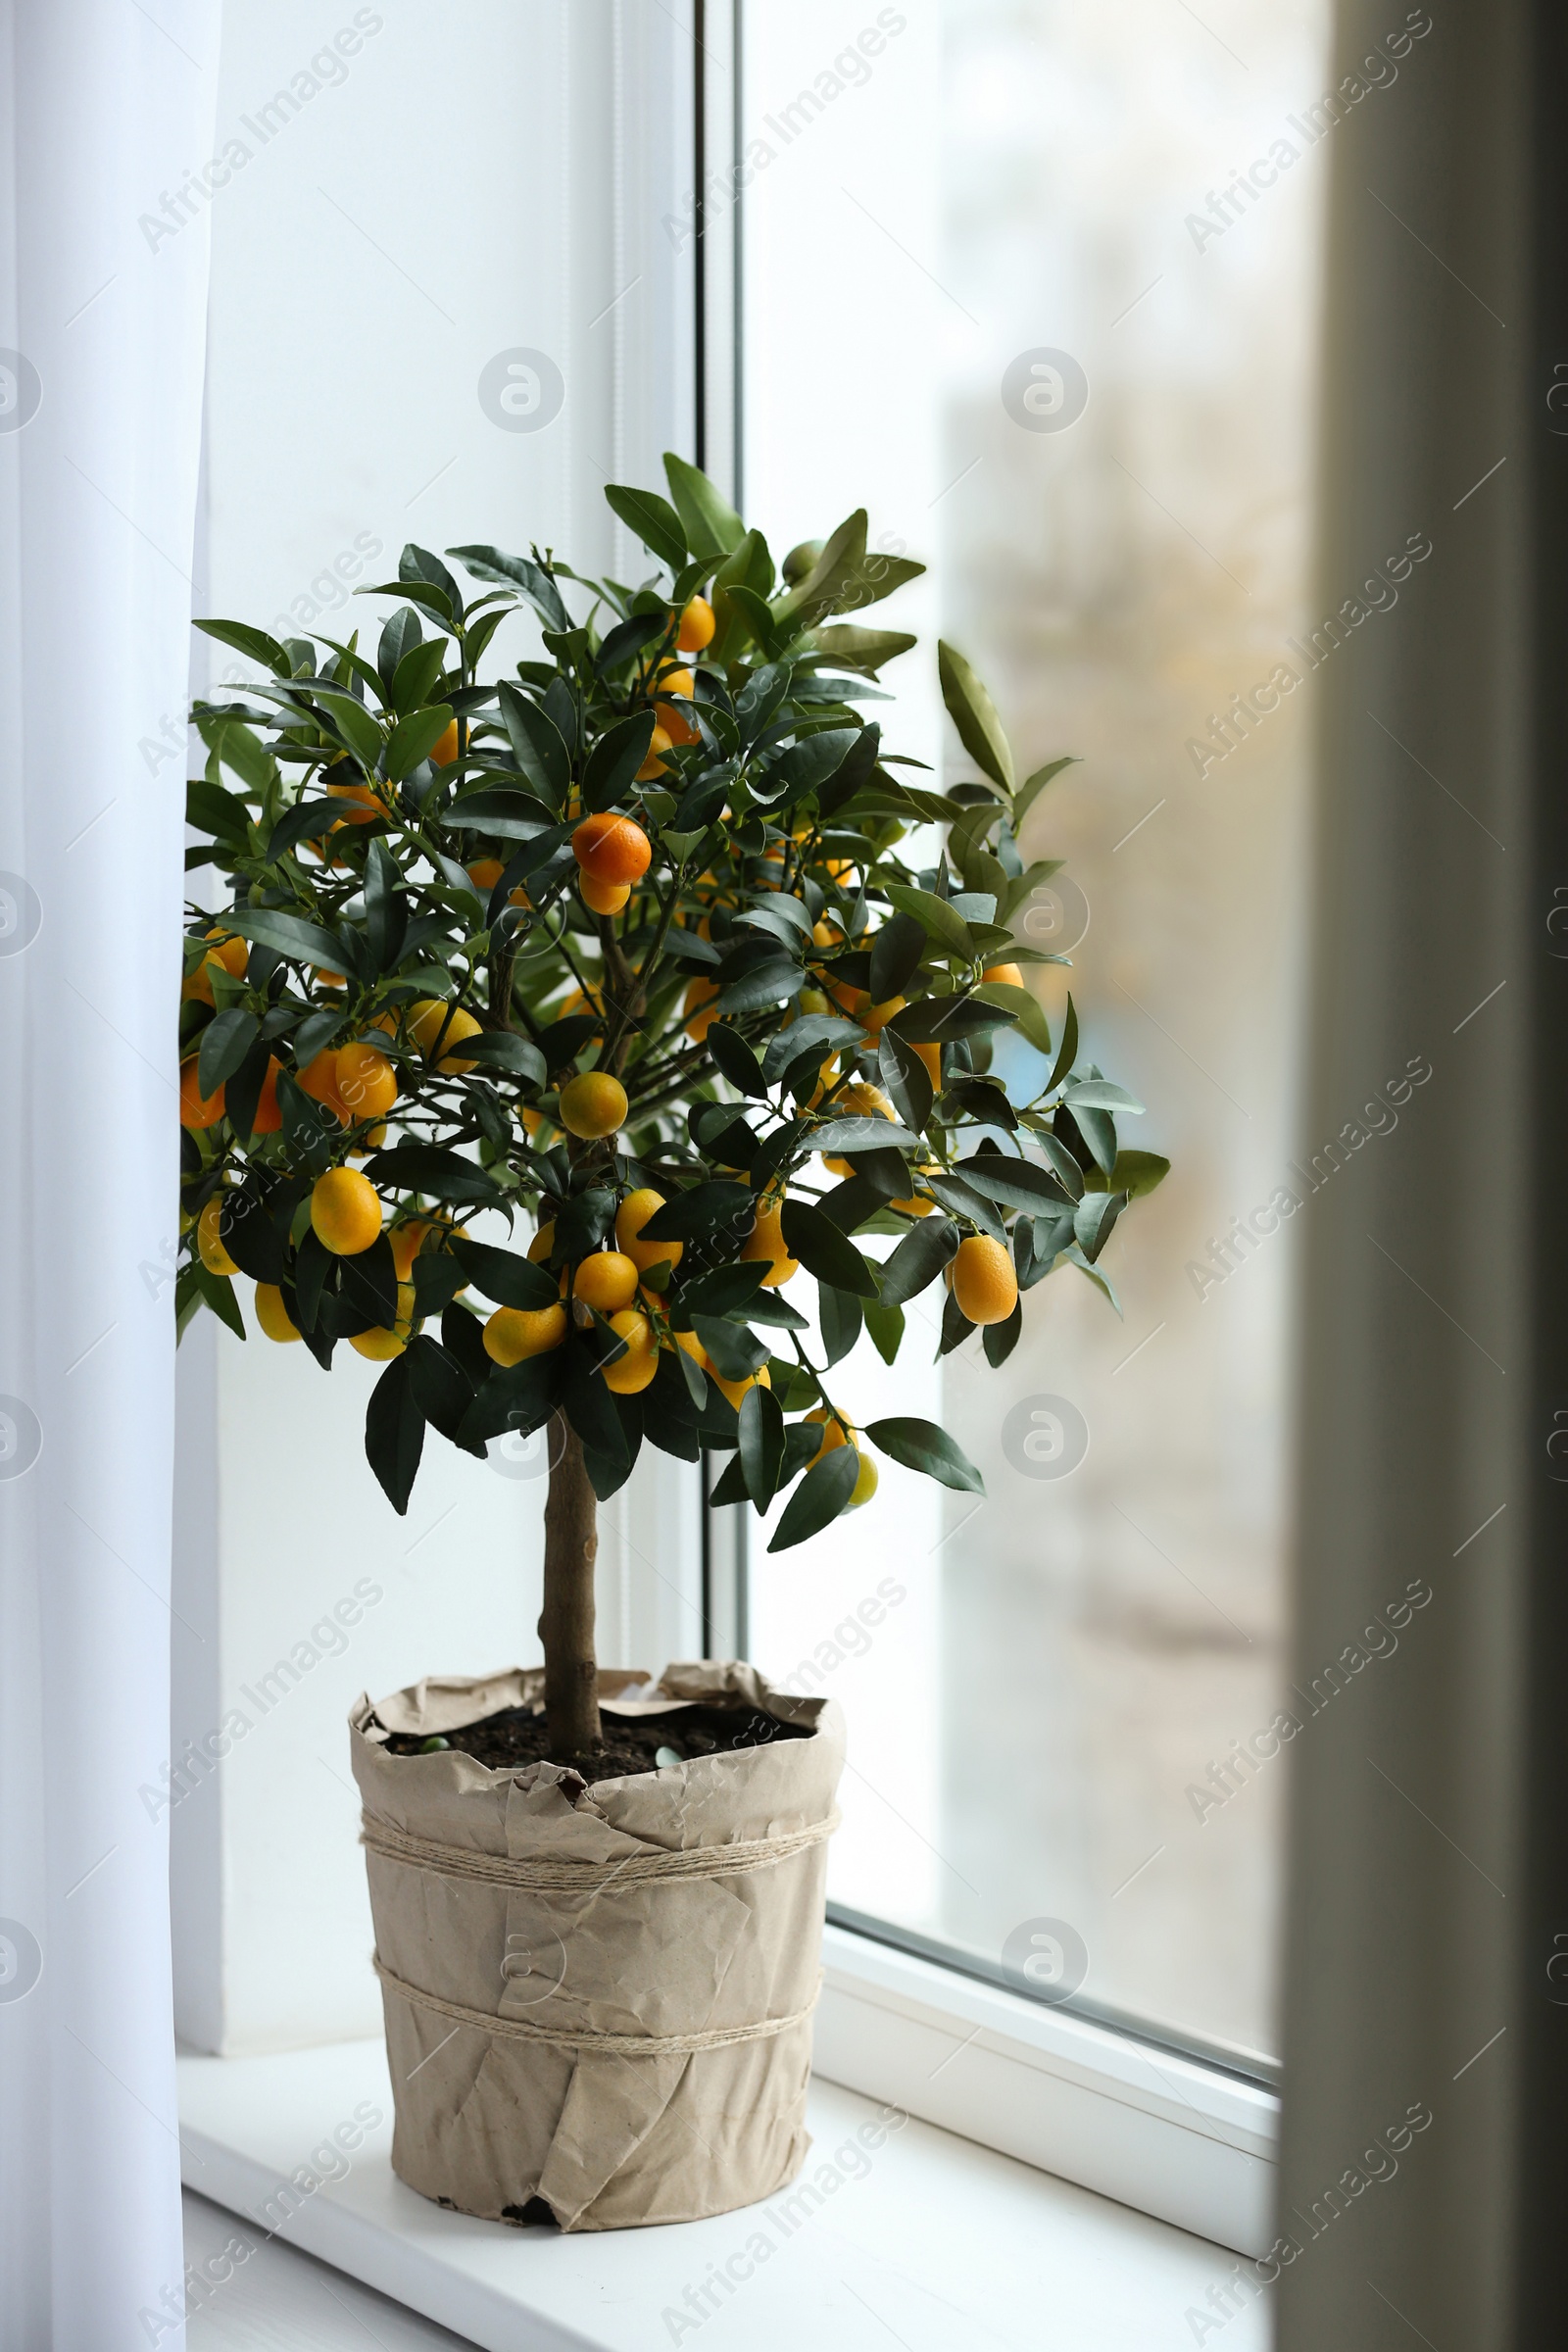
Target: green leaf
[
  {"x": 1030, "y": 790},
  {"x": 1099, "y": 1131},
  {"x": 367, "y": 1287},
  {"x": 414, "y": 739},
  {"x": 1026, "y": 1008},
  {"x": 819, "y": 1033},
  {"x": 734, "y": 1057},
  {"x": 974, "y": 715},
  {"x": 814, "y": 597},
  {"x": 935, "y": 916},
  {"x": 963, "y": 1200},
  {"x": 591, "y": 1406},
  {"x": 777, "y": 1313},
  {"x": 919, "y": 1259},
  {"x": 783, "y": 914},
  {"x": 907, "y": 1079},
  {"x": 896, "y": 954},
  {"x": 824, "y": 1250},
  {"x": 701, "y": 1210},
  {"x": 439, "y": 1385},
  {"x": 1015, "y": 1182},
  {"x": 711, "y": 526},
  {"x": 520, "y": 1396},
  {"x": 725, "y": 1290},
  {"x": 822, "y": 1493},
  {"x": 352, "y": 724},
  {"x": 290, "y": 935},
  {"x": 417, "y": 563},
  {"x": 841, "y": 1319},
  {"x": 239, "y": 749},
  {"x": 761, "y": 1445},
  {"x": 422, "y": 593},
  {"x": 219, "y": 1293},
  {"x": 516, "y": 571},
  {"x": 314, "y": 1267},
  {"x": 1135, "y": 1173},
  {"x": 753, "y": 612},
  {"x": 875, "y": 577},
  {"x": 1097, "y": 1274},
  {"x": 400, "y": 634},
  {"x": 872, "y": 1134},
  {"x": 654, "y": 519},
  {"x": 509, "y": 816},
  {"x": 807, "y": 764},
  {"x": 226, "y": 1042},
  {"x": 413, "y": 679},
  {"x": 999, "y": 1340},
  {"x": 1066, "y": 1052},
  {"x": 865, "y": 650},
  {"x": 209, "y": 809},
  {"x": 765, "y": 984},
  {"x": 922, "y": 1445},
  {"x": 1094, "y": 1219},
  {"x": 536, "y": 743},
  {"x": 736, "y": 1353},
  {"x": 427, "y": 1168},
  {"x": 386, "y": 909},
  {"x": 627, "y": 638},
  {"x": 886, "y": 1326},
  {"x": 251, "y": 1238},
  {"x": 1062, "y": 1160},
  {"x": 255, "y": 644},
  {"x": 615, "y": 760},
  {"x": 504, "y": 1049},
  {"x": 394, "y": 1433},
  {"x": 307, "y": 821},
  {"x": 510, "y": 1280},
  {"x": 1097, "y": 1094},
  {"x": 437, "y": 1280}
]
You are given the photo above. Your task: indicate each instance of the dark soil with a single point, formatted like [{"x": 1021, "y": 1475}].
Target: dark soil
[{"x": 516, "y": 1737}]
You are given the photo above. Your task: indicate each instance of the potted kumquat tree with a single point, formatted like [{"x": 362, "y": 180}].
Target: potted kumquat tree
[{"x": 616, "y": 951}]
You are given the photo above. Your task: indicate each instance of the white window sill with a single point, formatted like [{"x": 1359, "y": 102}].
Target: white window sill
[
  {"x": 1175, "y": 2138},
  {"x": 938, "y": 2243}
]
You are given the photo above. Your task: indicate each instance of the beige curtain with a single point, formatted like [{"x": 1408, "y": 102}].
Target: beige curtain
[{"x": 1421, "y": 2031}]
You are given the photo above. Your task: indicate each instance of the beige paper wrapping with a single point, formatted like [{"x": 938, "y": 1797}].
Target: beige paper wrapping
[{"x": 609, "y": 2141}]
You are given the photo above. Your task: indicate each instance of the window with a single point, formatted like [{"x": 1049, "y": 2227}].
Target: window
[
  {"x": 998, "y": 284},
  {"x": 901, "y": 208}
]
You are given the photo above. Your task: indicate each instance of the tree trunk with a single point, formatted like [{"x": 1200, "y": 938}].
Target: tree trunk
[{"x": 567, "y": 1620}]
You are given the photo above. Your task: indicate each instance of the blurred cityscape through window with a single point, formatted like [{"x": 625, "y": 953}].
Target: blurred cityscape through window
[{"x": 1037, "y": 284}]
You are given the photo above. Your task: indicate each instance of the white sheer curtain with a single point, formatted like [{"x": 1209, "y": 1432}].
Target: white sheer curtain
[{"x": 105, "y": 113}]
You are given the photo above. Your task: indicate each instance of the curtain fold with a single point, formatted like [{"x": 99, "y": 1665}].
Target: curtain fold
[
  {"x": 104, "y": 116},
  {"x": 1424, "y": 2039}
]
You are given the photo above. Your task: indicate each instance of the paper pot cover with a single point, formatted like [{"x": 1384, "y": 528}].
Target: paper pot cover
[{"x": 584, "y": 1930}]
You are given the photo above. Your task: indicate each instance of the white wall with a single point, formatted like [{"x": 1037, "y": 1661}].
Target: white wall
[{"x": 453, "y": 190}]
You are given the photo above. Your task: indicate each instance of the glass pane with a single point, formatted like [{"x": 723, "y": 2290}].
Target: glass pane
[{"x": 1002, "y": 286}]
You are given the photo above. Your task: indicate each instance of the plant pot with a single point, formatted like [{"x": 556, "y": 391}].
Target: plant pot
[{"x": 598, "y": 1999}]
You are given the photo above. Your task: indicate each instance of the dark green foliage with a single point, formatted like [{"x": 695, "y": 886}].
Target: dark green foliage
[{"x": 406, "y": 827}]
